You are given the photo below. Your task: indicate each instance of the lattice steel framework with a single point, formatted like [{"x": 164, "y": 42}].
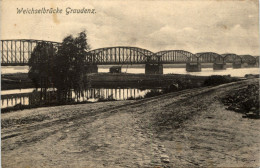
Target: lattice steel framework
[
  {"x": 210, "y": 57},
  {"x": 118, "y": 55},
  {"x": 248, "y": 59},
  {"x": 176, "y": 56},
  {"x": 18, "y": 52},
  {"x": 232, "y": 58}
]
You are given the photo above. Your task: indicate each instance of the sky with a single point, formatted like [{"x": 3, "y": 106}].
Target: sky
[{"x": 195, "y": 26}]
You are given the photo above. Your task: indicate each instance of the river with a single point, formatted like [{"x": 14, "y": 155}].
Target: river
[
  {"x": 10, "y": 98},
  {"x": 204, "y": 71}
]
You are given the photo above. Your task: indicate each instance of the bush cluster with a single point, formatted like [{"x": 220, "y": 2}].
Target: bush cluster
[
  {"x": 217, "y": 80},
  {"x": 244, "y": 100}
]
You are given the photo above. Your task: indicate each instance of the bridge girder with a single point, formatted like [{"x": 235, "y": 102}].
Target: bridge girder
[
  {"x": 232, "y": 58},
  {"x": 210, "y": 57},
  {"x": 18, "y": 52},
  {"x": 248, "y": 59},
  {"x": 176, "y": 56},
  {"x": 119, "y": 55}
]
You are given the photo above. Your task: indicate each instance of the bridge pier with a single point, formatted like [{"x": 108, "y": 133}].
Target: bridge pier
[
  {"x": 251, "y": 65},
  {"x": 248, "y": 65},
  {"x": 153, "y": 69},
  {"x": 244, "y": 65},
  {"x": 193, "y": 67},
  {"x": 91, "y": 68},
  {"x": 219, "y": 66},
  {"x": 236, "y": 65}
]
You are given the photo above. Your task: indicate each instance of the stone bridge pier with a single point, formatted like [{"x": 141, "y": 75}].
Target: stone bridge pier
[
  {"x": 91, "y": 68},
  {"x": 237, "y": 65},
  {"x": 249, "y": 65},
  {"x": 193, "y": 67},
  {"x": 219, "y": 66},
  {"x": 153, "y": 68}
]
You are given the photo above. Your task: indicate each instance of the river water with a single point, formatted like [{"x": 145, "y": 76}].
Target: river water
[
  {"x": 12, "y": 97},
  {"x": 204, "y": 71}
]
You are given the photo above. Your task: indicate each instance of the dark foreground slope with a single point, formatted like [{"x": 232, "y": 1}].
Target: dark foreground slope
[{"x": 187, "y": 128}]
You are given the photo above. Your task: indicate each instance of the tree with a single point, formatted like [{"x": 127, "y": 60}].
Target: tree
[
  {"x": 69, "y": 66},
  {"x": 40, "y": 65}
]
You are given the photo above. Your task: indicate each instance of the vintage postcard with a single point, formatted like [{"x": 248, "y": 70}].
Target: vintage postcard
[{"x": 116, "y": 83}]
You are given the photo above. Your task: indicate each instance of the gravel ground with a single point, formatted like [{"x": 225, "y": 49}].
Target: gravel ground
[{"x": 190, "y": 128}]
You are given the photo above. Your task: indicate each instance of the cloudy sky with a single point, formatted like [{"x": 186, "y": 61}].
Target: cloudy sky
[{"x": 195, "y": 26}]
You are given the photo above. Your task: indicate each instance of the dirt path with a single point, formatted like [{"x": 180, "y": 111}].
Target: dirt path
[{"x": 189, "y": 128}]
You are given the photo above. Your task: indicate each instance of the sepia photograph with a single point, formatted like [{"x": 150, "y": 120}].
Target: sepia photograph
[{"x": 129, "y": 84}]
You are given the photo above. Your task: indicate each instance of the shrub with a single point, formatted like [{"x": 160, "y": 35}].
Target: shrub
[
  {"x": 152, "y": 93},
  {"x": 217, "y": 80},
  {"x": 243, "y": 100}
]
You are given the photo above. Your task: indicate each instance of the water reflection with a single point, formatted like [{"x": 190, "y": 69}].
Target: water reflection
[
  {"x": 91, "y": 95},
  {"x": 16, "y": 91},
  {"x": 14, "y": 100}
]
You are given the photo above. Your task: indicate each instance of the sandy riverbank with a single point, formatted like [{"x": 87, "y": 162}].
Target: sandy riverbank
[{"x": 199, "y": 131}]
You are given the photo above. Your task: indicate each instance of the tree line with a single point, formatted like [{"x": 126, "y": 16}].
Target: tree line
[{"x": 62, "y": 67}]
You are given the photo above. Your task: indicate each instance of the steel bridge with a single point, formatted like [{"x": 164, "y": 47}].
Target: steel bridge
[{"x": 18, "y": 52}]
